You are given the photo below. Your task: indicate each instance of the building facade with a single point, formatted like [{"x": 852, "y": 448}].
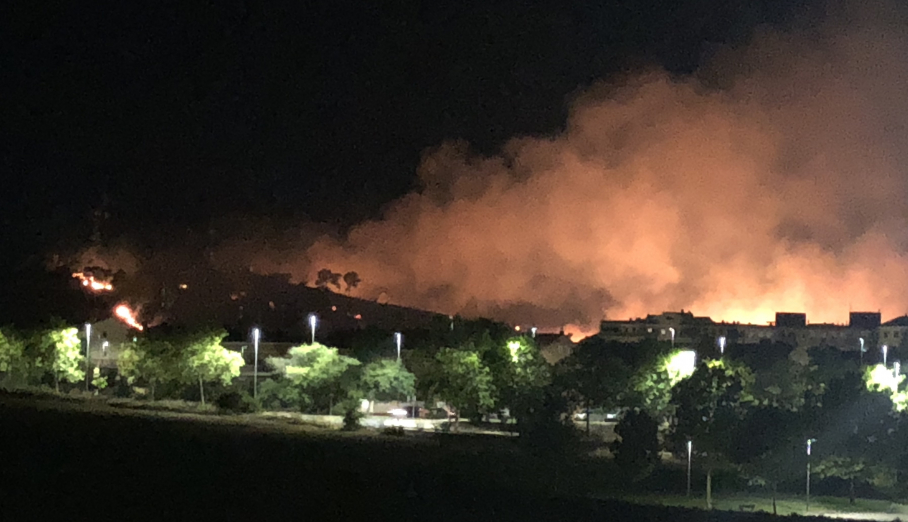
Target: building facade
[{"x": 864, "y": 330}]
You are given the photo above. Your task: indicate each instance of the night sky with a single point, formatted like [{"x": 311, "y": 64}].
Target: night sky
[{"x": 170, "y": 116}]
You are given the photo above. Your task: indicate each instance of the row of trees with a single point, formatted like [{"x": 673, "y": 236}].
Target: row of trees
[
  {"x": 179, "y": 359},
  {"x": 57, "y": 355},
  {"x": 52, "y": 355},
  {"x": 751, "y": 412}
]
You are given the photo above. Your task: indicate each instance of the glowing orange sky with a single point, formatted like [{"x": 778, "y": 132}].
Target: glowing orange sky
[{"x": 774, "y": 181}]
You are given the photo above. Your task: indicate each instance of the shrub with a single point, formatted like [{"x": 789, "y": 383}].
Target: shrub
[
  {"x": 394, "y": 431},
  {"x": 237, "y": 402},
  {"x": 352, "y": 415}
]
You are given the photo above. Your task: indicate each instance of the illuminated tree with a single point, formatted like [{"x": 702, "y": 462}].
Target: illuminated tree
[
  {"x": 464, "y": 382},
  {"x": 652, "y": 385},
  {"x": 521, "y": 377},
  {"x": 884, "y": 380},
  {"x": 13, "y": 361},
  {"x": 387, "y": 380},
  {"x": 319, "y": 373},
  {"x": 708, "y": 405},
  {"x": 152, "y": 361},
  {"x": 97, "y": 380},
  {"x": 205, "y": 360},
  {"x": 62, "y": 355}
]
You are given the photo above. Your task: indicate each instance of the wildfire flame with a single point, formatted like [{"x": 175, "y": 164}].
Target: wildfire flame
[
  {"x": 89, "y": 282},
  {"x": 125, "y": 314}
]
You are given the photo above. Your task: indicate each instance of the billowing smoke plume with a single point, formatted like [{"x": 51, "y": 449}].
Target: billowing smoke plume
[
  {"x": 776, "y": 179},
  {"x": 773, "y": 181}
]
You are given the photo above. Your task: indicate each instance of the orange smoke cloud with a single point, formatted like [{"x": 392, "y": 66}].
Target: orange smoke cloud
[{"x": 774, "y": 181}]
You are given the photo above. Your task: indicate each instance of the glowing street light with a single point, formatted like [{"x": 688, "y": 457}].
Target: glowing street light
[
  {"x": 87, "y": 355},
  {"x": 533, "y": 332},
  {"x": 885, "y": 353},
  {"x": 721, "y": 345},
  {"x": 256, "y": 333},
  {"x": 862, "y": 350},
  {"x": 690, "y": 451},
  {"x": 672, "y": 331},
  {"x": 398, "y": 338},
  {"x": 313, "y": 321},
  {"x": 809, "y": 445}
]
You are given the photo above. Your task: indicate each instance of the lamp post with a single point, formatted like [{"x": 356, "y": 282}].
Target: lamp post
[
  {"x": 862, "y": 350},
  {"x": 398, "y": 338},
  {"x": 809, "y": 444},
  {"x": 87, "y": 355},
  {"x": 256, "y": 333},
  {"x": 313, "y": 321},
  {"x": 690, "y": 450},
  {"x": 885, "y": 353},
  {"x": 672, "y": 331},
  {"x": 533, "y": 332},
  {"x": 721, "y": 345}
]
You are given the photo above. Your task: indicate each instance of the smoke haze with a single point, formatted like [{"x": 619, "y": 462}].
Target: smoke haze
[{"x": 773, "y": 180}]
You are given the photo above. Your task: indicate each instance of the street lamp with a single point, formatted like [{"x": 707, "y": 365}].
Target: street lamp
[
  {"x": 809, "y": 444},
  {"x": 87, "y": 355},
  {"x": 862, "y": 350},
  {"x": 721, "y": 345},
  {"x": 398, "y": 338},
  {"x": 885, "y": 354},
  {"x": 313, "y": 321},
  {"x": 533, "y": 332},
  {"x": 690, "y": 450},
  {"x": 672, "y": 331},
  {"x": 256, "y": 333}
]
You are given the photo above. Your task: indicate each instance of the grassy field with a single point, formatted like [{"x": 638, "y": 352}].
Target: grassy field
[
  {"x": 85, "y": 459},
  {"x": 785, "y": 505}
]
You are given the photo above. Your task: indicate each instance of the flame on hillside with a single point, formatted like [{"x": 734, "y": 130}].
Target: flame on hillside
[
  {"x": 124, "y": 313},
  {"x": 90, "y": 282}
]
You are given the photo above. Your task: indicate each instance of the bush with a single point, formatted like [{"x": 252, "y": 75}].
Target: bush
[
  {"x": 352, "y": 415},
  {"x": 637, "y": 451},
  {"x": 394, "y": 431},
  {"x": 237, "y": 402}
]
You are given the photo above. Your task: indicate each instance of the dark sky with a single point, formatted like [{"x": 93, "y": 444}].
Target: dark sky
[{"x": 172, "y": 114}]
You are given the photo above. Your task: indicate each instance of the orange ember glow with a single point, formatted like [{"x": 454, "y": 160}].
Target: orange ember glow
[
  {"x": 89, "y": 282},
  {"x": 125, "y": 314}
]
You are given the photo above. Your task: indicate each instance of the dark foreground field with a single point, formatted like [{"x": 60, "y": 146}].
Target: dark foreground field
[{"x": 59, "y": 463}]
